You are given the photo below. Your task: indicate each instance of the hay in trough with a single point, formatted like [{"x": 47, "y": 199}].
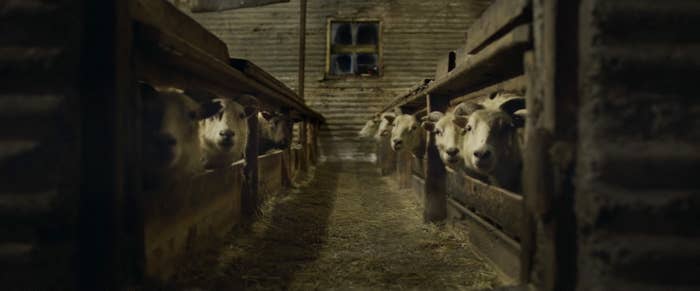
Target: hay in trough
[{"x": 345, "y": 229}]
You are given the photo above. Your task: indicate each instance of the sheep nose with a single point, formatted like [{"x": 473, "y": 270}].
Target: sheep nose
[
  {"x": 226, "y": 133},
  {"x": 482, "y": 154},
  {"x": 398, "y": 141},
  {"x": 452, "y": 151}
]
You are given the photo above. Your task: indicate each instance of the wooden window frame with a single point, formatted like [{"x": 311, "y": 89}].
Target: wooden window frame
[{"x": 354, "y": 48}]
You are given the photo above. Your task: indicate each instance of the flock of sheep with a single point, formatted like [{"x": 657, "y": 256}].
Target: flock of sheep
[
  {"x": 183, "y": 135},
  {"x": 482, "y": 139}
]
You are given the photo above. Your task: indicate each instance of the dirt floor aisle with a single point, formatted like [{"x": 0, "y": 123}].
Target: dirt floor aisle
[{"x": 348, "y": 228}]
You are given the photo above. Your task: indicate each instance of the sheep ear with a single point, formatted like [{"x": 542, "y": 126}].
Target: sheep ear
[
  {"x": 435, "y": 116},
  {"x": 467, "y": 108},
  {"x": 460, "y": 121},
  {"x": 512, "y": 105},
  {"x": 428, "y": 126},
  {"x": 267, "y": 115},
  {"x": 390, "y": 118},
  {"x": 209, "y": 109},
  {"x": 147, "y": 91},
  {"x": 519, "y": 118},
  {"x": 250, "y": 111}
]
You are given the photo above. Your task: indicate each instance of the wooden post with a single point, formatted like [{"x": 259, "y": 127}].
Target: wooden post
[
  {"x": 250, "y": 200},
  {"x": 105, "y": 77},
  {"x": 435, "y": 199},
  {"x": 302, "y": 48},
  {"x": 306, "y": 149}
]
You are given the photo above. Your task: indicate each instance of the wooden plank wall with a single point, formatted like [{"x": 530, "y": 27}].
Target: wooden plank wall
[
  {"x": 415, "y": 33},
  {"x": 190, "y": 215}
]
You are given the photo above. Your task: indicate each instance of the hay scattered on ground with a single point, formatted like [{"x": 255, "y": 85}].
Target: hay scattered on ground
[{"x": 345, "y": 229}]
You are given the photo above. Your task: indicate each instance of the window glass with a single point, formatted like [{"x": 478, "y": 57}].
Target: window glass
[
  {"x": 342, "y": 33},
  {"x": 354, "y": 48},
  {"x": 367, "y": 33}
]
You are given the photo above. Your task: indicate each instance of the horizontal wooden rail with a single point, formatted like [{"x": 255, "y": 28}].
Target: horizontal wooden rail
[
  {"x": 171, "y": 48},
  {"x": 501, "y": 207},
  {"x": 500, "y": 17},
  {"x": 500, "y": 60}
]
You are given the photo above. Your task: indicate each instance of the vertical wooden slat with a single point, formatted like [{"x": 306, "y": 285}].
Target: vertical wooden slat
[
  {"x": 302, "y": 48},
  {"x": 435, "y": 175},
  {"x": 106, "y": 87},
  {"x": 250, "y": 199}
]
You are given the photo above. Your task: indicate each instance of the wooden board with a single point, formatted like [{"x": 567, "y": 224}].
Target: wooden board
[
  {"x": 517, "y": 85},
  {"x": 164, "y": 59},
  {"x": 258, "y": 74},
  {"x": 168, "y": 19},
  {"x": 500, "y": 207},
  {"x": 501, "y": 16},
  {"x": 497, "y": 247},
  {"x": 403, "y": 171},
  {"x": 222, "y": 5},
  {"x": 183, "y": 219},
  {"x": 418, "y": 185},
  {"x": 501, "y": 60},
  {"x": 270, "y": 174}
]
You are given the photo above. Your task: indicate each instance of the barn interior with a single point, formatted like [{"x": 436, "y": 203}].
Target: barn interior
[{"x": 349, "y": 145}]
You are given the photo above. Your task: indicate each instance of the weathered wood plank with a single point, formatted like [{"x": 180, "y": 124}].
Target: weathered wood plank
[
  {"x": 435, "y": 193},
  {"x": 418, "y": 185},
  {"x": 500, "y": 60},
  {"x": 270, "y": 174},
  {"x": 502, "y": 208},
  {"x": 167, "y": 18},
  {"x": 498, "y": 248},
  {"x": 261, "y": 76},
  {"x": 183, "y": 219},
  {"x": 198, "y": 6},
  {"x": 516, "y": 85},
  {"x": 169, "y": 60},
  {"x": 499, "y": 17}
]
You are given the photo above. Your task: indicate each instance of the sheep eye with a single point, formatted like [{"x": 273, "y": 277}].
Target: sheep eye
[
  {"x": 438, "y": 132},
  {"x": 469, "y": 128},
  {"x": 241, "y": 116},
  {"x": 192, "y": 114}
]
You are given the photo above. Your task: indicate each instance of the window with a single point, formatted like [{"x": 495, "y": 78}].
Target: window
[{"x": 353, "y": 48}]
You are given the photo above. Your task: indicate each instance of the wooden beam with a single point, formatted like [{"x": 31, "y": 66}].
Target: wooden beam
[
  {"x": 501, "y": 207},
  {"x": 517, "y": 85},
  {"x": 106, "y": 90},
  {"x": 435, "y": 175},
  {"x": 198, "y": 6},
  {"x": 261, "y": 76},
  {"x": 500, "y": 17},
  {"x": 499, "y": 61},
  {"x": 250, "y": 198},
  {"x": 168, "y": 19},
  {"x": 302, "y": 48},
  {"x": 497, "y": 247},
  {"x": 167, "y": 59}
]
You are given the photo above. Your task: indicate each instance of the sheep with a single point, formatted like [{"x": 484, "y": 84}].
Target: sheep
[
  {"x": 370, "y": 128},
  {"x": 274, "y": 130},
  {"x": 385, "y": 126},
  {"x": 491, "y": 144},
  {"x": 170, "y": 134},
  {"x": 407, "y": 135},
  {"x": 224, "y": 136}
]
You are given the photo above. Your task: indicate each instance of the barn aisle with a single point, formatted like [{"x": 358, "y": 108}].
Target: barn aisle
[{"x": 347, "y": 228}]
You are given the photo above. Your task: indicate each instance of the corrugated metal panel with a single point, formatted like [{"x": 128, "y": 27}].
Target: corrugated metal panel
[
  {"x": 415, "y": 34},
  {"x": 38, "y": 144},
  {"x": 637, "y": 189}
]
